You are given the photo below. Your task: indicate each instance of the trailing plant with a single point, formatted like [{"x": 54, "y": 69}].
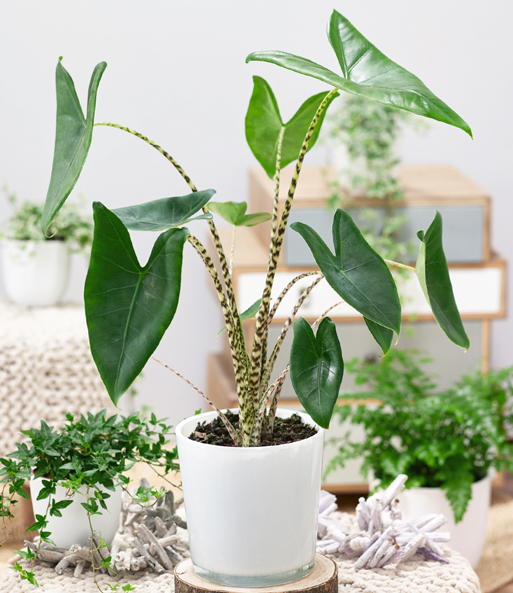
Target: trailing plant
[
  {"x": 130, "y": 306},
  {"x": 92, "y": 455},
  {"x": 443, "y": 439},
  {"x": 71, "y": 224}
]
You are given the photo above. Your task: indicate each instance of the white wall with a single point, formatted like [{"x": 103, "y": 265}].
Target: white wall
[{"x": 177, "y": 74}]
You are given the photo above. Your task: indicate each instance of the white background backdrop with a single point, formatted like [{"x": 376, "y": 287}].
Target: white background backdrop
[{"x": 177, "y": 74}]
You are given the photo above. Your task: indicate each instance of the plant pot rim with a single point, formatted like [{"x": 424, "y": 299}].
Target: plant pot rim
[
  {"x": 427, "y": 488},
  {"x": 204, "y": 415}
]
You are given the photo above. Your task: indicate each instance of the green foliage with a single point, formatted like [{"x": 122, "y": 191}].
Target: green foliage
[
  {"x": 166, "y": 213},
  {"x": 355, "y": 272},
  {"x": 316, "y": 368},
  {"x": 72, "y": 224},
  {"x": 235, "y": 213},
  {"x": 368, "y": 73},
  {"x": 72, "y": 139},
  {"x": 443, "y": 439},
  {"x": 129, "y": 306},
  {"x": 433, "y": 275},
  {"x": 91, "y": 453},
  {"x": 25, "y": 574},
  {"x": 265, "y": 128}
]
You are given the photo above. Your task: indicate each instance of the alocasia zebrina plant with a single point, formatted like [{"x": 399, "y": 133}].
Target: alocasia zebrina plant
[{"x": 130, "y": 306}]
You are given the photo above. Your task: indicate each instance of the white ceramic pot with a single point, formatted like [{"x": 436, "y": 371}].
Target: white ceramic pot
[
  {"x": 73, "y": 526},
  {"x": 467, "y": 536},
  {"x": 252, "y": 511},
  {"x": 35, "y": 272}
]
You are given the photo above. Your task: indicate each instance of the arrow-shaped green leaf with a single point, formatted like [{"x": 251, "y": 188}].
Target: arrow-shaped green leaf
[
  {"x": 433, "y": 275},
  {"x": 235, "y": 213},
  {"x": 356, "y": 272},
  {"x": 249, "y": 313},
  {"x": 367, "y": 72},
  {"x": 166, "y": 213},
  {"x": 316, "y": 368},
  {"x": 264, "y": 125},
  {"x": 129, "y": 306},
  {"x": 73, "y": 137}
]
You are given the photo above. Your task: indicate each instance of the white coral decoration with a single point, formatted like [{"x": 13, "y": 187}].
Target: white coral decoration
[{"x": 384, "y": 538}]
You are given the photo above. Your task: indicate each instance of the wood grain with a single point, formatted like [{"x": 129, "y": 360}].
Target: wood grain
[{"x": 322, "y": 579}]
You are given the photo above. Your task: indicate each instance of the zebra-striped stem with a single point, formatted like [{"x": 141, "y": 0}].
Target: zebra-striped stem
[
  {"x": 213, "y": 230},
  {"x": 236, "y": 340},
  {"x": 274, "y": 254},
  {"x": 284, "y": 292},
  {"x": 274, "y": 227},
  {"x": 232, "y": 431},
  {"x": 272, "y": 359},
  {"x": 274, "y": 403},
  {"x": 321, "y": 317}
]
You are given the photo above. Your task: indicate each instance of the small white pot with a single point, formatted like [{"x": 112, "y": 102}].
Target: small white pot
[
  {"x": 73, "y": 527},
  {"x": 468, "y": 536},
  {"x": 35, "y": 272},
  {"x": 251, "y": 511}
]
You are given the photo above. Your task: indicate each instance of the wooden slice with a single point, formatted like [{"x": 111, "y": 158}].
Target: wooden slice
[{"x": 322, "y": 579}]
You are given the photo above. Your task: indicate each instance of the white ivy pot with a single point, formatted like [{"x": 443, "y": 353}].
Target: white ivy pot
[
  {"x": 252, "y": 511},
  {"x": 468, "y": 536},
  {"x": 35, "y": 272},
  {"x": 73, "y": 527}
]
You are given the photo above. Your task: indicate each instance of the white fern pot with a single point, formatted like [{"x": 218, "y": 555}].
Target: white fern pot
[
  {"x": 252, "y": 511},
  {"x": 468, "y": 536},
  {"x": 73, "y": 527},
  {"x": 35, "y": 272}
]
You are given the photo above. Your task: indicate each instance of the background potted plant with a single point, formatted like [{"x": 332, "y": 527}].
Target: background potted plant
[
  {"x": 446, "y": 442},
  {"x": 129, "y": 306},
  {"x": 77, "y": 474},
  {"x": 35, "y": 269}
]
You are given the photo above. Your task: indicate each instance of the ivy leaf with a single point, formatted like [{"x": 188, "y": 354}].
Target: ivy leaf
[
  {"x": 316, "y": 368},
  {"x": 166, "y": 213},
  {"x": 235, "y": 213},
  {"x": 129, "y": 306},
  {"x": 368, "y": 73},
  {"x": 264, "y": 126},
  {"x": 433, "y": 275},
  {"x": 249, "y": 313},
  {"x": 72, "y": 139},
  {"x": 356, "y": 272}
]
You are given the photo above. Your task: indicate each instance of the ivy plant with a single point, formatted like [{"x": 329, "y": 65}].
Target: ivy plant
[
  {"x": 129, "y": 306},
  {"x": 442, "y": 439},
  {"x": 92, "y": 455}
]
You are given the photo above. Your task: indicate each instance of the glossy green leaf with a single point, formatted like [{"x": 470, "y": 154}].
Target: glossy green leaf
[
  {"x": 316, "y": 368},
  {"x": 235, "y": 213},
  {"x": 382, "y": 335},
  {"x": 433, "y": 275},
  {"x": 129, "y": 306},
  {"x": 73, "y": 137},
  {"x": 356, "y": 272},
  {"x": 368, "y": 73},
  {"x": 249, "y": 313},
  {"x": 264, "y": 125},
  {"x": 166, "y": 213}
]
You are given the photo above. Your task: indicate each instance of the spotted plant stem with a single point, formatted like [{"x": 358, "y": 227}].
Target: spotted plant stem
[
  {"x": 261, "y": 419},
  {"x": 321, "y": 317},
  {"x": 275, "y": 249},
  {"x": 276, "y": 397},
  {"x": 215, "y": 235},
  {"x": 284, "y": 292},
  {"x": 246, "y": 409},
  {"x": 229, "y": 426},
  {"x": 285, "y": 329}
]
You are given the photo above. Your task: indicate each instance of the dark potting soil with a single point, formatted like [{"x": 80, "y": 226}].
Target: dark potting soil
[{"x": 286, "y": 430}]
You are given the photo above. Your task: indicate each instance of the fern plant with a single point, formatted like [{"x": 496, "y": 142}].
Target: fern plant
[
  {"x": 447, "y": 439},
  {"x": 130, "y": 306}
]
